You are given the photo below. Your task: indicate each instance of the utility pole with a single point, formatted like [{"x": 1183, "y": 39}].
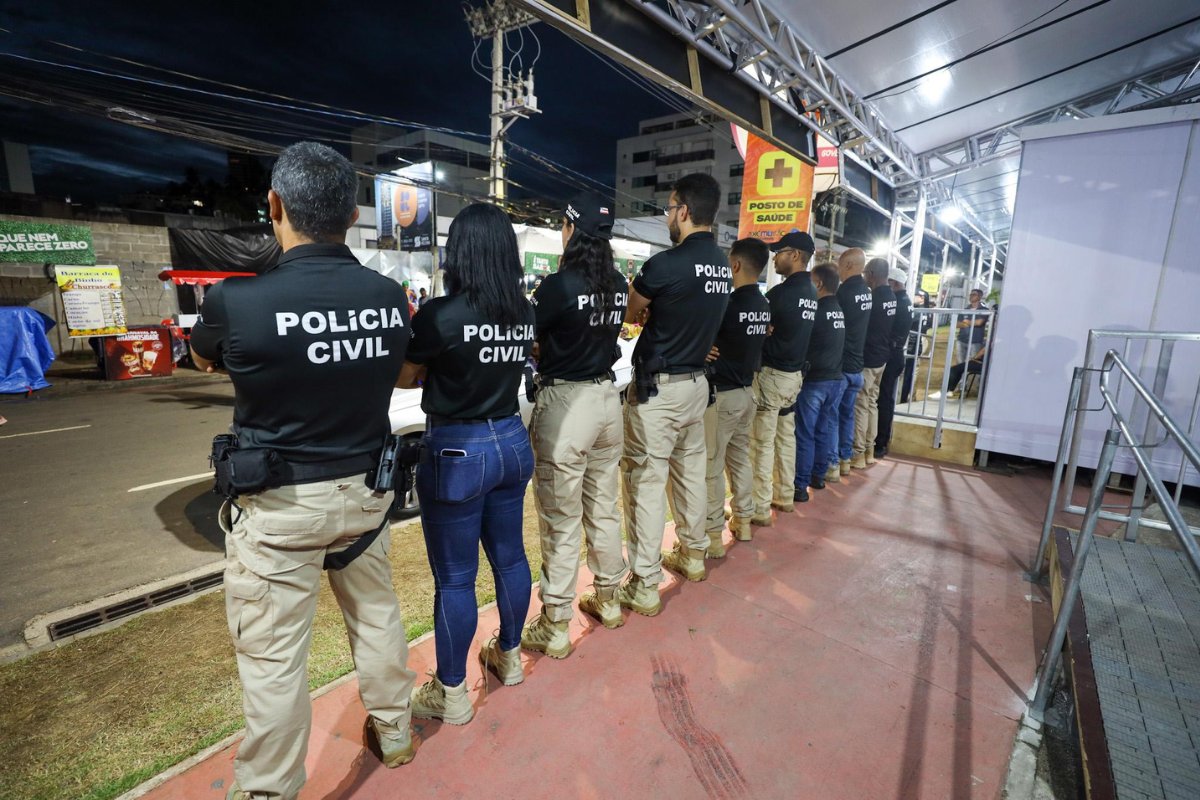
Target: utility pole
[{"x": 512, "y": 95}]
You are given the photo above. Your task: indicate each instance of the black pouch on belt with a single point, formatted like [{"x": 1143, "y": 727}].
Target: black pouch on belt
[{"x": 254, "y": 470}]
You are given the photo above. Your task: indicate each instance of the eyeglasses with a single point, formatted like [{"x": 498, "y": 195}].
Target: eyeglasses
[
  {"x": 667, "y": 211},
  {"x": 786, "y": 250}
]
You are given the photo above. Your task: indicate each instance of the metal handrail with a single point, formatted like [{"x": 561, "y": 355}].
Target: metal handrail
[
  {"x": 1170, "y": 509},
  {"x": 1112, "y": 439},
  {"x": 939, "y": 418},
  {"x": 1067, "y": 461}
]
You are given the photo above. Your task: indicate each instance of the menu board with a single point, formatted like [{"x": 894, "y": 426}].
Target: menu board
[
  {"x": 92, "y": 300},
  {"x": 138, "y": 353}
]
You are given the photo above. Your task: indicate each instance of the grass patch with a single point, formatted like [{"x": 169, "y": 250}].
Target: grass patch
[{"x": 96, "y": 717}]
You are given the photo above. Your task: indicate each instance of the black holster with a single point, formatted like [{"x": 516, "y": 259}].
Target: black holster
[
  {"x": 240, "y": 472},
  {"x": 643, "y": 377},
  {"x": 396, "y": 460}
]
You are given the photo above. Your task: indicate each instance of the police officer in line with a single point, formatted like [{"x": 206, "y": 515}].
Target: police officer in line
[
  {"x": 824, "y": 383},
  {"x": 898, "y": 281},
  {"x": 777, "y": 385},
  {"x": 854, "y": 296},
  {"x": 468, "y": 352},
  {"x": 728, "y": 421},
  {"x": 576, "y": 427},
  {"x": 877, "y": 348},
  {"x": 685, "y": 290},
  {"x": 313, "y": 347}
]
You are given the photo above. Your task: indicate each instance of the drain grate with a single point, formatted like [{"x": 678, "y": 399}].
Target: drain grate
[{"x": 131, "y": 606}]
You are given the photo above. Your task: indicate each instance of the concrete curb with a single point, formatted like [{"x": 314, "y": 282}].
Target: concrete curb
[
  {"x": 37, "y": 633},
  {"x": 158, "y": 780}
]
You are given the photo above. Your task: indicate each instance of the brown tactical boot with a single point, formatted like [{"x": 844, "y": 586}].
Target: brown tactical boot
[
  {"x": 859, "y": 462},
  {"x": 636, "y": 596},
  {"x": 450, "y": 704},
  {"x": 602, "y": 605},
  {"x": 504, "y": 664},
  {"x": 833, "y": 474},
  {"x": 716, "y": 544},
  {"x": 543, "y": 635},
  {"x": 396, "y": 749},
  {"x": 741, "y": 529},
  {"x": 685, "y": 561},
  {"x": 844, "y": 466}
]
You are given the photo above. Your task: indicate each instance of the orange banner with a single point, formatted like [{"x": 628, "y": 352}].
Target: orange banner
[{"x": 777, "y": 191}]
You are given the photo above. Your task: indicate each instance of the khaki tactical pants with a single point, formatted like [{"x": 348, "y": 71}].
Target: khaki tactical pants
[
  {"x": 773, "y": 438},
  {"x": 727, "y": 424},
  {"x": 664, "y": 438},
  {"x": 272, "y": 573},
  {"x": 577, "y": 438},
  {"x": 866, "y": 410}
]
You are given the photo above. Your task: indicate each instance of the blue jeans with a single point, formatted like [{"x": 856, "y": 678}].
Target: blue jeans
[
  {"x": 844, "y": 447},
  {"x": 816, "y": 427},
  {"x": 471, "y": 484}
]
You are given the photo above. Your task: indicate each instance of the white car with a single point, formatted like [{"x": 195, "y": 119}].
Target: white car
[{"x": 408, "y": 420}]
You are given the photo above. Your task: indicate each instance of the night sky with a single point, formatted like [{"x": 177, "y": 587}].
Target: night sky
[{"x": 409, "y": 60}]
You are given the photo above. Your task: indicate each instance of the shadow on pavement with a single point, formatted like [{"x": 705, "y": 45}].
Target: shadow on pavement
[
  {"x": 191, "y": 514},
  {"x": 195, "y": 399}
]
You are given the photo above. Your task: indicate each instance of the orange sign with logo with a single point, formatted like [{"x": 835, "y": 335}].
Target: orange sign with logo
[{"x": 777, "y": 190}]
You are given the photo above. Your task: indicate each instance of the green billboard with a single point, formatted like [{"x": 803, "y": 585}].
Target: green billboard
[{"x": 45, "y": 243}]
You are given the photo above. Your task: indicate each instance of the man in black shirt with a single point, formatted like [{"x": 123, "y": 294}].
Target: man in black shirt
[
  {"x": 855, "y": 300},
  {"x": 876, "y": 349},
  {"x": 816, "y": 408},
  {"x": 685, "y": 290},
  {"x": 313, "y": 346},
  {"x": 773, "y": 439},
  {"x": 727, "y": 422},
  {"x": 898, "y": 281}
]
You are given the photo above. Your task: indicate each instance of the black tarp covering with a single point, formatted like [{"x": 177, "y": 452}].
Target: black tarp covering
[{"x": 249, "y": 249}]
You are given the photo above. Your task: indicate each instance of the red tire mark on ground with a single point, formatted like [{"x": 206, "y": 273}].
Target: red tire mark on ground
[{"x": 711, "y": 761}]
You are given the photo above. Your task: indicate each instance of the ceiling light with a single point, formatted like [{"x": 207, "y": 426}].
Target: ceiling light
[{"x": 950, "y": 214}]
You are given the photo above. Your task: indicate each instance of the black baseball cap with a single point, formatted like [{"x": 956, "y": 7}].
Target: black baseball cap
[
  {"x": 591, "y": 214},
  {"x": 797, "y": 239}
]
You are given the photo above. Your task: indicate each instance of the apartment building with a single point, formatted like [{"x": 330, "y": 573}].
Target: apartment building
[{"x": 669, "y": 147}]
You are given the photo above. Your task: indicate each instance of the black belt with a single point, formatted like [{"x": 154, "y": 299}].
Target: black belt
[
  {"x": 437, "y": 421},
  {"x": 544, "y": 381},
  {"x": 730, "y": 388},
  {"x": 294, "y": 472}
]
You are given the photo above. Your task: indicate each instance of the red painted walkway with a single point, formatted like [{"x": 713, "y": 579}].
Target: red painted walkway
[{"x": 876, "y": 644}]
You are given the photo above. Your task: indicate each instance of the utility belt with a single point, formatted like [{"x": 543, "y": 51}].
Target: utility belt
[
  {"x": 545, "y": 382},
  {"x": 250, "y": 471},
  {"x": 720, "y": 389},
  {"x": 438, "y": 421}
]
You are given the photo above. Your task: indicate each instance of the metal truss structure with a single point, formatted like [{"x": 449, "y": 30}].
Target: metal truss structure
[
  {"x": 1165, "y": 86},
  {"x": 748, "y": 39}
]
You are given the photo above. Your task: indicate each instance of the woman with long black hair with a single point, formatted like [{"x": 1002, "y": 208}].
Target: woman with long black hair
[
  {"x": 576, "y": 427},
  {"x": 468, "y": 350}
]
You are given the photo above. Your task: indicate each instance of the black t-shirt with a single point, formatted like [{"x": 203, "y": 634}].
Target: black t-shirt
[
  {"x": 879, "y": 330},
  {"x": 740, "y": 338},
  {"x": 855, "y": 299},
  {"x": 578, "y": 341},
  {"x": 903, "y": 321},
  {"x": 474, "y": 367},
  {"x": 828, "y": 342},
  {"x": 313, "y": 347},
  {"x": 793, "y": 309},
  {"x": 688, "y": 287},
  {"x": 976, "y": 330}
]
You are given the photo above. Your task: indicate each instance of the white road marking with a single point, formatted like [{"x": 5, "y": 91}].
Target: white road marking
[
  {"x": 52, "y": 430},
  {"x": 185, "y": 479}
]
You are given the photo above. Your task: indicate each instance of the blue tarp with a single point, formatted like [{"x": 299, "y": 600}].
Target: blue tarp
[{"x": 25, "y": 352}]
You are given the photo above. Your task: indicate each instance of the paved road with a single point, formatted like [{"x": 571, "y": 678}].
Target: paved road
[{"x": 70, "y": 529}]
